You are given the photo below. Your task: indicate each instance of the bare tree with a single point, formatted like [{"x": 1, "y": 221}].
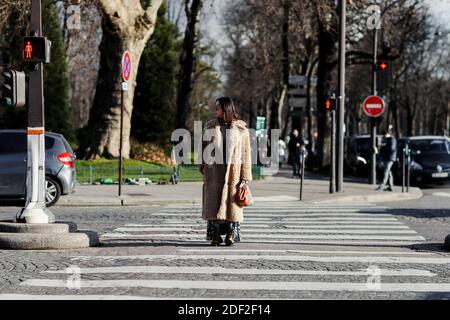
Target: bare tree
[{"x": 192, "y": 9}]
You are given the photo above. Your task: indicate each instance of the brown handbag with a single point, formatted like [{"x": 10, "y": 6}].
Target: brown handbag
[{"x": 243, "y": 195}]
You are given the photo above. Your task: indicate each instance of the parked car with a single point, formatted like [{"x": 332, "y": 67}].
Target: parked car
[
  {"x": 430, "y": 159},
  {"x": 357, "y": 155},
  {"x": 59, "y": 166}
]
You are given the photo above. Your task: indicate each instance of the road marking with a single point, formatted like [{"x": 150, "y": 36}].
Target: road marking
[
  {"x": 271, "y": 236},
  {"x": 293, "y": 223},
  {"x": 441, "y": 194},
  {"x": 310, "y": 251},
  {"x": 272, "y": 230},
  {"x": 180, "y": 242},
  {"x": 244, "y": 285},
  {"x": 221, "y": 270},
  {"x": 329, "y": 259},
  {"x": 295, "y": 217},
  {"x": 248, "y": 224},
  {"x": 13, "y": 296}
]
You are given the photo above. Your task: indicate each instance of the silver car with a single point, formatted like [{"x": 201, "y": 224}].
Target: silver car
[{"x": 59, "y": 166}]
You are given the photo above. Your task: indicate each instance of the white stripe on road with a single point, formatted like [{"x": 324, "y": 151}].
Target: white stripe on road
[
  {"x": 271, "y": 236},
  {"x": 168, "y": 222},
  {"x": 441, "y": 194},
  {"x": 309, "y": 251},
  {"x": 13, "y": 296},
  {"x": 245, "y": 285},
  {"x": 265, "y": 241},
  {"x": 326, "y": 259},
  {"x": 272, "y": 230},
  {"x": 249, "y": 224},
  {"x": 221, "y": 270},
  {"x": 287, "y": 215},
  {"x": 299, "y": 217}
]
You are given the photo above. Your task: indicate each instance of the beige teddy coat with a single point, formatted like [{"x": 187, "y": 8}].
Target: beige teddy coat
[{"x": 218, "y": 198}]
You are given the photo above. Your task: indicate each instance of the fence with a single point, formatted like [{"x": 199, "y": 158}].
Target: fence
[{"x": 157, "y": 174}]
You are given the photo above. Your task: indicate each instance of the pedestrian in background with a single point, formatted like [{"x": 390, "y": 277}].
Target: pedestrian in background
[
  {"x": 295, "y": 146},
  {"x": 222, "y": 177},
  {"x": 387, "y": 158}
]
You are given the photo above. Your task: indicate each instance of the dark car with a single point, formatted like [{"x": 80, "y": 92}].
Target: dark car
[
  {"x": 430, "y": 159},
  {"x": 59, "y": 166},
  {"x": 357, "y": 155}
]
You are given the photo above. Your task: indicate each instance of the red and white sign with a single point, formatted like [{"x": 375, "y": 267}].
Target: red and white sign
[
  {"x": 126, "y": 66},
  {"x": 373, "y": 106}
]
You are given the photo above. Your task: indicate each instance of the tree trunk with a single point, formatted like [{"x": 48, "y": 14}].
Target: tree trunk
[
  {"x": 187, "y": 61},
  {"x": 327, "y": 52},
  {"x": 125, "y": 27}
]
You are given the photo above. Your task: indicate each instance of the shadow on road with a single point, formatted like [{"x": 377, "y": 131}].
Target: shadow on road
[{"x": 420, "y": 213}]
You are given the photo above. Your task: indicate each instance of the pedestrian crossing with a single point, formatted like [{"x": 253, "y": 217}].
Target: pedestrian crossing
[{"x": 287, "y": 252}]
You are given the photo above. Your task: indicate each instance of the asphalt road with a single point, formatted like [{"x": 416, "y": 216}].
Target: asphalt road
[{"x": 430, "y": 215}]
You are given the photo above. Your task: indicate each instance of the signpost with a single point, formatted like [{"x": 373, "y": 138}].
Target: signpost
[{"x": 126, "y": 75}]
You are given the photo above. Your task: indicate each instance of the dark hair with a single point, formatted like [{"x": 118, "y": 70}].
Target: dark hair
[{"x": 227, "y": 106}]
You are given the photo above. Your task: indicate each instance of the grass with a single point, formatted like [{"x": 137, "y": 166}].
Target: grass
[{"x": 98, "y": 170}]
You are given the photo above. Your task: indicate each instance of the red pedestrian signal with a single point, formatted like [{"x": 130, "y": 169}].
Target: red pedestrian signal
[
  {"x": 330, "y": 104},
  {"x": 383, "y": 66},
  {"x": 383, "y": 71},
  {"x": 36, "y": 49}
]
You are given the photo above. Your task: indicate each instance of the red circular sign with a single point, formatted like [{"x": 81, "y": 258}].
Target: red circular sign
[
  {"x": 126, "y": 66},
  {"x": 373, "y": 106}
]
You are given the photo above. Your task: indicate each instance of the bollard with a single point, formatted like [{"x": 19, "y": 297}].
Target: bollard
[
  {"x": 408, "y": 167},
  {"x": 142, "y": 172},
  {"x": 403, "y": 170},
  {"x": 302, "y": 177},
  {"x": 90, "y": 174}
]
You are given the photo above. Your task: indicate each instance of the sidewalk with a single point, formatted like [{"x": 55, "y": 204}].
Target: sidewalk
[{"x": 279, "y": 188}]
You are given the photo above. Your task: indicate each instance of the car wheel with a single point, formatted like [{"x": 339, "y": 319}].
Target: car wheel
[{"x": 53, "y": 191}]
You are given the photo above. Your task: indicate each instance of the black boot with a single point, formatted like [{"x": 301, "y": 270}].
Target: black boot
[
  {"x": 229, "y": 237},
  {"x": 216, "y": 238}
]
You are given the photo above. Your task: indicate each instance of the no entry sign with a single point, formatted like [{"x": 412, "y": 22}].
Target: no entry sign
[
  {"x": 126, "y": 66},
  {"x": 373, "y": 106}
]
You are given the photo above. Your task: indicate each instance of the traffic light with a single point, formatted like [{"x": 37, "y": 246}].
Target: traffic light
[
  {"x": 383, "y": 71},
  {"x": 36, "y": 49},
  {"x": 13, "y": 89},
  {"x": 330, "y": 104}
]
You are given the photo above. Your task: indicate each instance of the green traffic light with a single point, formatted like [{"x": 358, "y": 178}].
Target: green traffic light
[{"x": 7, "y": 102}]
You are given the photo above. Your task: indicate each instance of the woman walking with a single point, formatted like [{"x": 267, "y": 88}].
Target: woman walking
[{"x": 226, "y": 163}]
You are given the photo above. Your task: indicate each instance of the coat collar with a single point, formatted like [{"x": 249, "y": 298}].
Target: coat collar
[{"x": 236, "y": 123}]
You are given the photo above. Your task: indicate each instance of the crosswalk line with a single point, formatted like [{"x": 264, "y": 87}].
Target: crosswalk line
[
  {"x": 292, "y": 223},
  {"x": 246, "y": 285},
  {"x": 289, "y": 226},
  {"x": 268, "y": 231},
  {"x": 248, "y": 271},
  {"x": 302, "y": 258},
  {"x": 273, "y": 236},
  {"x": 309, "y": 251}
]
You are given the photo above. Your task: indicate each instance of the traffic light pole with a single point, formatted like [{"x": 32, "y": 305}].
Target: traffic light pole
[
  {"x": 35, "y": 209},
  {"x": 333, "y": 153},
  {"x": 373, "y": 121},
  {"x": 341, "y": 90}
]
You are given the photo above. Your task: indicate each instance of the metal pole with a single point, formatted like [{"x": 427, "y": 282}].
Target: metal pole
[
  {"x": 341, "y": 90},
  {"x": 408, "y": 169},
  {"x": 373, "y": 123},
  {"x": 121, "y": 141},
  {"x": 302, "y": 177},
  {"x": 403, "y": 170},
  {"x": 333, "y": 152},
  {"x": 35, "y": 209}
]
